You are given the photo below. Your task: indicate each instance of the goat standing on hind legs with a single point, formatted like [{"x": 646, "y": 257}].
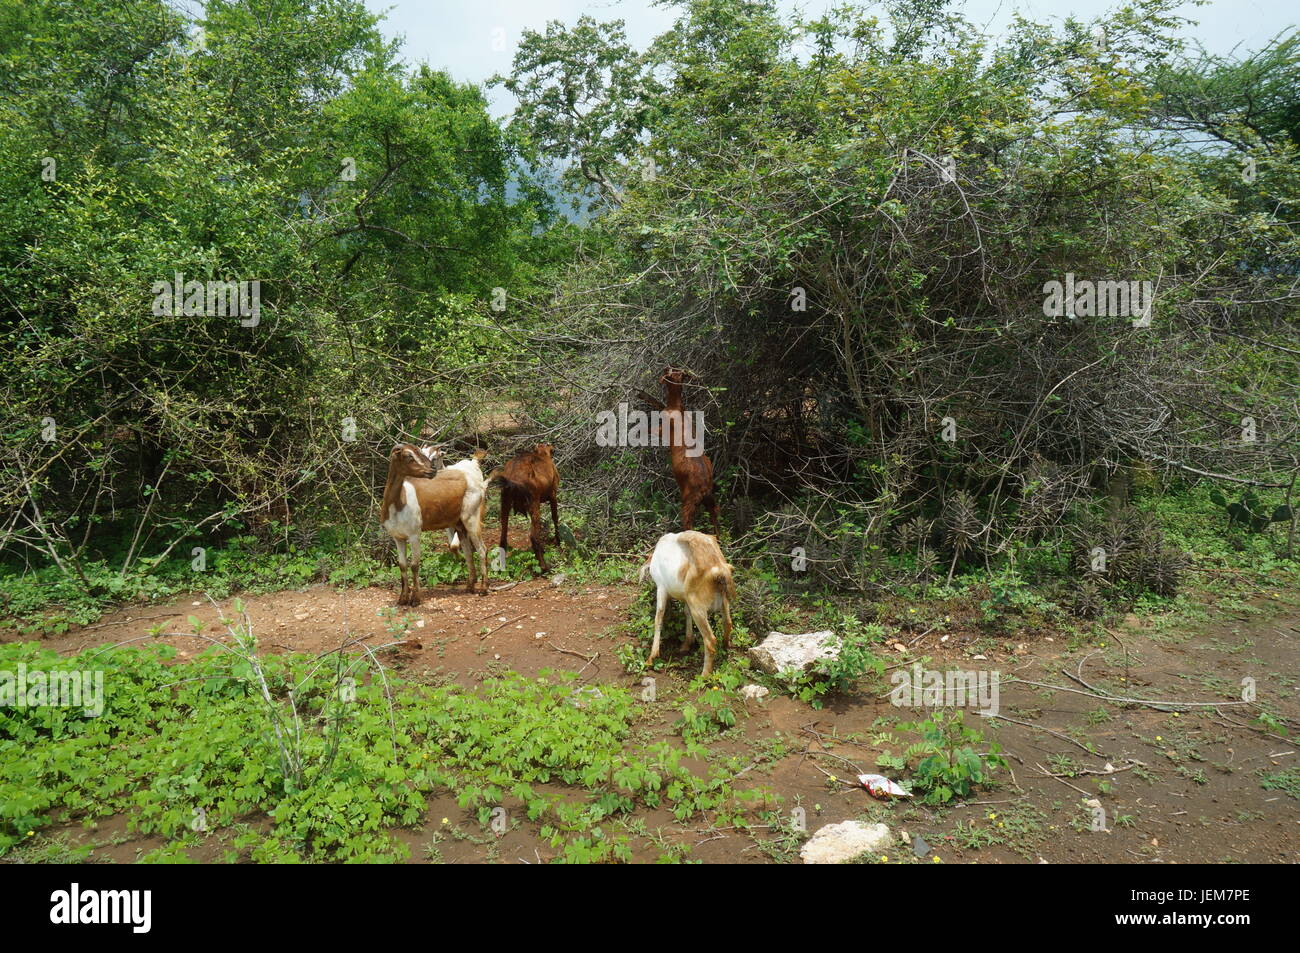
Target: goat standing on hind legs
[
  {"x": 693, "y": 473},
  {"x": 527, "y": 481},
  {"x": 689, "y": 567},
  {"x": 419, "y": 497}
]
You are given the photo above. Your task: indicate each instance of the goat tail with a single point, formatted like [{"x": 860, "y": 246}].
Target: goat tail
[
  {"x": 723, "y": 583},
  {"x": 645, "y": 571},
  {"x": 497, "y": 474}
]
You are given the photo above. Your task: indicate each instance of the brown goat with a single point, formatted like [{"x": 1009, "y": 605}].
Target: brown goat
[
  {"x": 418, "y": 497},
  {"x": 527, "y": 481},
  {"x": 694, "y": 474}
]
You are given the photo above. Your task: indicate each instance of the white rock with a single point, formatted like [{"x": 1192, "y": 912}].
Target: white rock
[
  {"x": 836, "y": 843},
  {"x": 782, "y": 653},
  {"x": 755, "y": 692}
]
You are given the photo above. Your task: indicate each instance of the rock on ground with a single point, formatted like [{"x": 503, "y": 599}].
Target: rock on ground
[
  {"x": 836, "y": 843},
  {"x": 782, "y": 653}
]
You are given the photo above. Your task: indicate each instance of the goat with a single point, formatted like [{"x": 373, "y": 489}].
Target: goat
[
  {"x": 694, "y": 474},
  {"x": 689, "y": 567},
  {"x": 527, "y": 481},
  {"x": 438, "y": 455},
  {"x": 417, "y": 497}
]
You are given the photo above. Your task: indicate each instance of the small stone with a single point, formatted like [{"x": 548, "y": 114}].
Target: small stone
[
  {"x": 754, "y": 692},
  {"x": 558, "y": 579},
  {"x": 919, "y": 847}
]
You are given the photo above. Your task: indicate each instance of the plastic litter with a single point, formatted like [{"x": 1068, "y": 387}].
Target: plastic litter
[{"x": 880, "y": 786}]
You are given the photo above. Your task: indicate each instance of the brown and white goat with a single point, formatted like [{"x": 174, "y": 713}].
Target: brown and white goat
[
  {"x": 689, "y": 567},
  {"x": 418, "y": 497},
  {"x": 527, "y": 481}
]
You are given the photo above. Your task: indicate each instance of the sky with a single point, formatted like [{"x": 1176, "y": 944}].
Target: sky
[{"x": 473, "y": 39}]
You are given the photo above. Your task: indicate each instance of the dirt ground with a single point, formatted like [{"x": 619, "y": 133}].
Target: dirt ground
[{"x": 1175, "y": 787}]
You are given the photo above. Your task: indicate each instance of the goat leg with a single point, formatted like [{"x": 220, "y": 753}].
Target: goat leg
[
  {"x": 710, "y": 644},
  {"x": 401, "y": 568},
  {"x": 415, "y": 597},
  {"x": 536, "y": 534},
  {"x": 482, "y": 558},
  {"x": 661, "y": 603},
  {"x": 505, "y": 518},
  {"x": 469, "y": 549}
]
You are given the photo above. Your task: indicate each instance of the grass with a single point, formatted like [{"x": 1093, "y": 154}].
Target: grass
[{"x": 1286, "y": 780}]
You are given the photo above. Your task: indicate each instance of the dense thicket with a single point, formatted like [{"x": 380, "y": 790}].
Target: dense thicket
[{"x": 845, "y": 229}]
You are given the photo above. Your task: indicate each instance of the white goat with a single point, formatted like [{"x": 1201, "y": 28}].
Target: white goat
[{"x": 689, "y": 567}]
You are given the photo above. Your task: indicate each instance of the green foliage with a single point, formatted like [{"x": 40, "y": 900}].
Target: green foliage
[
  {"x": 947, "y": 766},
  {"x": 1286, "y": 780},
  {"x": 334, "y": 773},
  {"x": 856, "y": 660},
  {"x": 1249, "y": 512},
  {"x": 376, "y": 207}
]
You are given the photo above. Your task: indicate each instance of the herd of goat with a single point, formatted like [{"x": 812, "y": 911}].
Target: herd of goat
[{"x": 422, "y": 493}]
